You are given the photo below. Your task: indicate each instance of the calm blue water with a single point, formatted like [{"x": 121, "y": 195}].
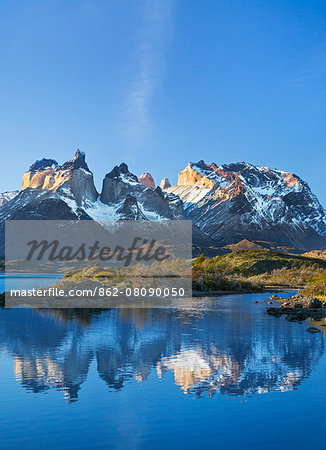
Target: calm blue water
[
  {"x": 215, "y": 373},
  {"x": 19, "y": 281}
]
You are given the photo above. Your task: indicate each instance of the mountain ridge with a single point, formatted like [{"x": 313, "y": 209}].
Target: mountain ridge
[
  {"x": 67, "y": 192},
  {"x": 232, "y": 205},
  {"x": 240, "y": 201}
]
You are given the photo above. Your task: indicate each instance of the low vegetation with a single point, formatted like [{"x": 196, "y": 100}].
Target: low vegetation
[
  {"x": 250, "y": 270},
  {"x": 316, "y": 286},
  {"x": 321, "y": 254},
  {"x": 259, "y": 269}
]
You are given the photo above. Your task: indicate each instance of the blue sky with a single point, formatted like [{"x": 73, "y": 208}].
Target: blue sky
[{"x": 159, "y": 83}]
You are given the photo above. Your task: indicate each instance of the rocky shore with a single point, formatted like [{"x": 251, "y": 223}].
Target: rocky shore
[{"x": 298, "y": 309}]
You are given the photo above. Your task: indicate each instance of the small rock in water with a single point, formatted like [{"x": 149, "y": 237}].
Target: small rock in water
[
  {"x": 315, "y": 303},
  {"x": 313, "y": 330},
  {"x": 276, "y": 312},
  {"x": 270, "y": 303},
  {"x": 291, "y": 318}
]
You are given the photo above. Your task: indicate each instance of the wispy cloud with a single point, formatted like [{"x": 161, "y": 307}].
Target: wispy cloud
[
  {"x": 151, "y": 44},
  {"x": 312, "y": 70}
]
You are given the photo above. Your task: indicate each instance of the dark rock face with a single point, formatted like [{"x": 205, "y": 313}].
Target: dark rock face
[
  {"x": 240, "y": 201},
  {"x": 52, "y": 192},
  {"x": 119, "y": 183},
  {"x": 81, "y": 185},
  {"x": 79, "y": 182},
  {"x": 130, "y": 209},
  {"x": 72, "y": 179},
  {"x": 77, "y": 162},
  {"x": 32, "y": 204},
  {"x": 118, "y": 171},
  {"x": 227, "y": 203},
  {"x": 43, "y": 164},
  {"x": 67, "y": 192}
]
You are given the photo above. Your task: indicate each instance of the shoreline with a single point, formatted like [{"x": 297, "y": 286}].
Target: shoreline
[
  {"x": 270, "y": 289},
  {"x": 298, "y": 309}
]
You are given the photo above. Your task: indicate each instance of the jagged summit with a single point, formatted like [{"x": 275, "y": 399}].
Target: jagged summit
[
  {"x": 77, "y": 162},
  {"x": 165, "y": 183},
  {"x": 121, "y": 186},
  {"x": 201, "y": 170},
  {"x": 43, "y": 164},
  {"x": 122, "y": 173},
  {"x": 73, "y": 178},
  {"x": 51, "y": 190},
  {"x": 228, "y": 203},
  {"x": 147, "y": 180},
  {"x": 239, "y": 201}
]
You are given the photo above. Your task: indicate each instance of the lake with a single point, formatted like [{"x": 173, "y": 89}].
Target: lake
[
  {"x": 10, "y": 281},
  {"x": 212, "y": 372}
]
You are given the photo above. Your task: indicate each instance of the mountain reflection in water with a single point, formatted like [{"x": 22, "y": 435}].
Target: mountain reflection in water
[{"x": 208, "y": 345}]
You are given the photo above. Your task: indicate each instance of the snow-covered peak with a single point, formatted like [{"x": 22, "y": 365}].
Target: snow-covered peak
[
  {"x": 72, "y": 179},
  {"x": 121, "y": 173},
  {"x": 236, "y": 201},
  {"x": 5, "y": 197}
]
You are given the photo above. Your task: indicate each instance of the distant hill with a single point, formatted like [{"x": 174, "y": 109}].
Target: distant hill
[
  {"x": 255, "y": 262},
  {"x": 245, "y": 244},
  {"x": 321, "y": 254}
]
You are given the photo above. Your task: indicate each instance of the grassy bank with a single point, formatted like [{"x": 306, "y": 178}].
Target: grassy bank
[
  {"x": 251, "y": 270},
  {"x": 254, "y": 270}
]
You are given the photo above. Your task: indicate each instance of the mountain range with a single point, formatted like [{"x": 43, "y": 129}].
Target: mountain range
[
  {"x": 229, "y": 204},
  {"x": 240, "y": 201}
]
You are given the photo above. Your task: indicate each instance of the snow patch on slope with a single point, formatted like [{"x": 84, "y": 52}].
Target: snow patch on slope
[{"x": 5, "y": 197}]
